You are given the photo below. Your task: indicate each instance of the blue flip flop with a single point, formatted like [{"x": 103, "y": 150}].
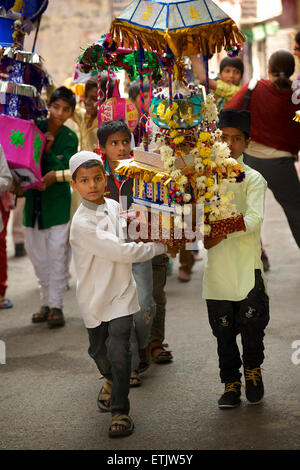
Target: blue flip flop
[{"x": 8, "y": 305}]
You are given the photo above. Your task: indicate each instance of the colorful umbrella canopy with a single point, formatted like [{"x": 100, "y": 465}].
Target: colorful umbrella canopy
[{"x": 185, "y": 26}]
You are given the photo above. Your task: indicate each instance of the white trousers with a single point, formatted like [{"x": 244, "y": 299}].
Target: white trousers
[
  {"x": 18, "y": 229},
  {"x": 48, "y": 251}
]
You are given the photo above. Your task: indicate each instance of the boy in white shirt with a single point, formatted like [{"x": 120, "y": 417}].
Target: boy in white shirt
[{"x": 106, "y": 291}]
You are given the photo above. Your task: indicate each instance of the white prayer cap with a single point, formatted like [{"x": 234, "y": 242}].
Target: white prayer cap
[{"x": 81, "y": 157}]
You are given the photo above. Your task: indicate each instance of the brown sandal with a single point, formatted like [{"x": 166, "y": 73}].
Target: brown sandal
[
  {"x": 55, "y": 318},
  {"x": 124, "y": 422},
  {"x": 162, "y": 356},
  {"x": 135, "y": 379},
  {"x": 41, "y": 316}
]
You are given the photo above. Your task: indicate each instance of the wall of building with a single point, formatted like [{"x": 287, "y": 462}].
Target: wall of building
[{"x": 67, "y": 28}]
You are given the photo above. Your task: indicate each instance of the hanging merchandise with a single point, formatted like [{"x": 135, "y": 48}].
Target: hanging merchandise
[
  {"x": 22, "y": 77},
  {"x": 116, "y": 108},
  {"x": 18, "y": 18},
  {"x": 23, "y": 144}
]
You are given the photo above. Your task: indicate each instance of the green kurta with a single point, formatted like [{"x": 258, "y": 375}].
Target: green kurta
[{"x": 52, "y": 206}]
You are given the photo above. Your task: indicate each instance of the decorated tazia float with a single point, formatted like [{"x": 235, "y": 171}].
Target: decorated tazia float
[
  {"x": 22, "y": 77},
  {"x": 182, "y": 169}
]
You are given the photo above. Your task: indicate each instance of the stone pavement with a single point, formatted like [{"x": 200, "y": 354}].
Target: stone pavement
[{"x": 49, "y": 384}]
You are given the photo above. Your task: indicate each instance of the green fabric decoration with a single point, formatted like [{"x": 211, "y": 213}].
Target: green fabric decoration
[
  {"x": 96, "y": 58},
  {"x": 16, "y": 138},
  {"x": 37, "y": 145}
]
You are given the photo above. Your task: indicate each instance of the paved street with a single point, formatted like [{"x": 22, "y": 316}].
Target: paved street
[{"x": 49, "y": 385}]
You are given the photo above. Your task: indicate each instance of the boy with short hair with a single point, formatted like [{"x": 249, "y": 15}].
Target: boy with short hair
[
  {"x": 106, "y": 290},
  {"x": 86, "y": 119},
  {"x": 155, "y": 299},
  {"x": 114, "y": 141},
  {"x": 228, "y": 82},
  {"x": 47, "y": 211},
  {"x": 233, "y": 283}
]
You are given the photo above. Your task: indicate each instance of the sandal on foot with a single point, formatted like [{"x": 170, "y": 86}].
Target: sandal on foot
[
  {"x": 41, "y": 316},
  {"x": 135, "y": 379},
  {"x": 55, "y": 318},
  {"x": 123, "y": 421},
  {"x": 162, "y": 355},
  {"x": 104, "y": 396},
  {"x": 183, "y": 276},
  {"x": 7, "y": 304}
]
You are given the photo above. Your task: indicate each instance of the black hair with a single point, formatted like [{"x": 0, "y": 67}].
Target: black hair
[
  {"x": 134, "y": 89},
  {"x": 297, "y": 38},
  {"x": 88, "y": 164},
  {"x": 111, "y": 127},
  {"x": 282, "y": 66},
  {"x": 91, "y": 83},
  {"x": 232, "y": 62},
  {"x": 63, "y": 93}
]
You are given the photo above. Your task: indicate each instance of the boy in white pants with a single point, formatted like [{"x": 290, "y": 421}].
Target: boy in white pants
[{"x": 47, "y": 211}]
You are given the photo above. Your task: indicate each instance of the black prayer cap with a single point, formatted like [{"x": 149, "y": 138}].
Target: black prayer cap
[{"x": 237, "y": 118}]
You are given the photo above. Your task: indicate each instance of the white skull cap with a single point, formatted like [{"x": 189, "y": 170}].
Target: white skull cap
[{"x": 81, "y": 157}]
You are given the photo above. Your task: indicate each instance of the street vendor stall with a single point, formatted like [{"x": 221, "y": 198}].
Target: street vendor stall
[{"x": 22, "y": 77}]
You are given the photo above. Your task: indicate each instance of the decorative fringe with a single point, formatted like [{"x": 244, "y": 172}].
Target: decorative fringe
[
  {"x": 297, "y": 117},
  {"x": 208, "y": 38}
]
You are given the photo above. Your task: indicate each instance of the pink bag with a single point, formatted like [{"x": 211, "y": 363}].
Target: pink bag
[
  {"x": 23, "y": 145},
  {"x": 116, "y": 108}
]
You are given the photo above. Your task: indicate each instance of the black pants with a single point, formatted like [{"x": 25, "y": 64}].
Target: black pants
[
  {"x": 282, "y": 179},
  {"x": 110, "y": 349},
  {"x": 249, "y": 317}
]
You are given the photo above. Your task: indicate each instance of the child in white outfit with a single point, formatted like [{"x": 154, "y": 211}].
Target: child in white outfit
[{"x": 106, "y": 290}]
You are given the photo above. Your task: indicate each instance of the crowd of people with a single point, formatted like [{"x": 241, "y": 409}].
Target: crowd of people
[{"x": 124, "y": 311}]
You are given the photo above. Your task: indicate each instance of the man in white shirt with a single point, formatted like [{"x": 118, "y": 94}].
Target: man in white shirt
[
  {"x": 233, "y": 283},
  {"x": 106, "y": 290}
]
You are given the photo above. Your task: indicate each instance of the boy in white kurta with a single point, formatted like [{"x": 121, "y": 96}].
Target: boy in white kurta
[{"x": 106, "y": 290}]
